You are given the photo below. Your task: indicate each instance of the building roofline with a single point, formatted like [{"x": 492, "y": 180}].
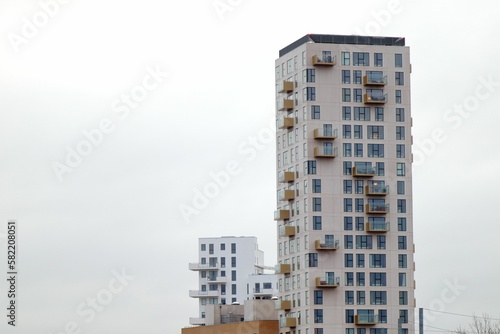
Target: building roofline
[{"x": 343, "y": 39}]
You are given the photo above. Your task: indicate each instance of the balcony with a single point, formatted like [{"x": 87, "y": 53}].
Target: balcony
[
  {"x": 284, "y": 177},
  {"x": 282, "y": 215},
  {"x": 325, "y": 152},
  {"x": 323, "y": 61},
  {"x": 332, "y": 245},
  {"x": 288, "y": 322},
  {"x": 216, "y": 280},
  {"x": 377, "y": 227},
  {"x": 286, "y": 195},
  {"x": 363, "y": 171},
  {"x": 197, "y": 321},
  {"x": 365, "y": 319},
  {"x": 285, "y": 104},
  {"x": 285, "y": 86},
  {"x": 287, "y": 231},
  {"x": 327, "y": 282},
  {"x": 202, "y": 294},
  {"x": 370, "y": 98},
  {"x": 375, "y": 78},
  {"x": 322, "y": 134},
  {"x": 377, "y": 208},
  {"x": 282, "y": 268},
  {"x": 286, "y": 122},
  {"x": 261, "y": 292},
  {"x": 376, "y": 190},
  {"x": 283, "y": 305},
  {"x": 203, "y": 266}
]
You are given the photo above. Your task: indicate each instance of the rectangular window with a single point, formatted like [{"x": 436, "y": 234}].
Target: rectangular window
[
  {"x": 403, "y": 297},
  {"x": 348, "y": 242},
  {"x": 400, "y": 169},
  {"x": 360, "y": 260},
  {"x": 376, "y": 150},
  {"x": 347, "y": 149},
  {"x": 379, "y": 60},
  {"x": 380, "y": 166},
  {"x": 360, "y": 279},
  {"x": 316, "y": 186},
  {"x": 309, "y": 94},
  {"x": 361, "y": 59},
  {"x": 400, "y": 79},
  {"x": 347, "y": 204},
  {"x": 347, "y": 167},
  {"x": 402, "y": 279},
  {"x": 347, "y": 186},
  {"x": 222, "y": 247},
  {"x": 359, "y": 184},
  {"x": 361, "y": 113},
  {"x": 203, "y": 247},
  {"x": 309, "y": 75},
  {"x": 377, "y": 261},
  {"x": 379, "y": 114},
  {"x": 315, "y": 112},
  {"x": 346, "y": 113},
  {"x": 349, "y": 316},
  {"x": 316, "y": 203},
  {"x": 378, "y": 279},
  {"x": 233, "y": 261},
  {"x": 317, "y": 223},
  {"x": 346, "y": 131},
  {"x": 398, "y": 96},
  {"x": 233, "y": 289},
  {"x": 312, "y": 260},
  {"x": 348, "y": 223},
  {"x": 375, "y": 132},
  {"x": 398, "y": 60},
  {"x": 402, "y": 242},
  {"x": 357, "y": 77},
  {"x": 400, "y": 151},
  {"x": 402, "y": 261},
  {"x": 358, "y": 95},
  {"x": 358, "y": 131},
  {"x": 233, "y": 248},
  {"x": 400, "y": 114},
  {"x": 358, "y": 150},
  {"x": 382, "y": 317},
  {"x": 401, "y": 206},
  {"x": 360, "y": 223},
  {"x": 349, "y": 297},
  {"x": 346, "y": 76},
  {"x": 318, "y": 297},
  {"x": 348, "y": 260},
  {"x": 346, "y": 58},
  {"x": 210, "y": 248},
  {"x": 403, "y": 315},
  {"x": 310, "y": 167},
  {"x": 346, "y": 95},
  {"x": 349, "y": 279},
  {"x": 378, "y": 297},
  {"x": 402, "y": 224},
  {"x": 363, "y": 242},
  {"x": 233, "y": 275},
  {"x": 381, "y": 242},
  {"x": 360, "y": 298},
  {"x": 359, "y": 205},
  {"x": 400, "y": 132}
]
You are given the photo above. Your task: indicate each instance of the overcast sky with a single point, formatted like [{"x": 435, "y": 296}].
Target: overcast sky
[{"x": 116, "y": 114}]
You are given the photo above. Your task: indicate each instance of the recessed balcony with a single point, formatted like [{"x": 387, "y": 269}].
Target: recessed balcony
[
  {"x": 287, "y": 231},
  {"x": 365, "y": 319},
  {"x": 376, "y": 189},
  {"x": 216, "y": 280},
  {"x": 261, "y": 292},
  {"x": 327, "y": 282},
  {"x": 197, "y": 321},
  {"x": 283, "y": 305},
  {"x": 283, "y": 268},
  {"x": 285, "y": 104},
  {"x": 281, "y": 214},
  {"x": 323, "y": 60},
  {"x": 286, "y": 122},
  {"x": 375, "y": 78},
  {"x": 285, "y": 86},
  {"x": 377, "y": 208},
  {"x": 203, "y": 266},
  {"x": 371, "y": 98},
  {"x": 363, "y": 171},
  {"x": 285, "y": 177},
  {"x": 203, "y": 294},
  {"x": 377, "y": 227},
  {"x": 327, "y": 245},
  {"x": 324, "y": 134},
  {"x": 325, "y": 152},
  {"x": 286, "y": 195},
  {"x": 288, "y": 322}
]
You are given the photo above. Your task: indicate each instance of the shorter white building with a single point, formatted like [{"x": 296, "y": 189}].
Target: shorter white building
[{"x": 263, "y": 286}]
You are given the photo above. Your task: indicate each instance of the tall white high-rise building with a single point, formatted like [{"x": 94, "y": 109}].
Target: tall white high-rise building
[{"x": 344, "y": 186}]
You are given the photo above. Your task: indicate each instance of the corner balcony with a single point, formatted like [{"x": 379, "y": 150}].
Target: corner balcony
[
  {"x": 285, "y": 86},
  {"x": 363, "y": 171},
  {"x": 288, "y": 322},
  {"x": 331, "y": 245},
  {"x": 375, "y": 78},
  {"x": 283, "y": 305},
  {"x": 197, "y": 321},
  {"x": 202, "y": 294},
  {"x": 216, "y": 280},
  {"x": 370, "y": 98},
  {"x": 365, "y": 320},
  {"x": 323, "y": 60},
  {"x": 261, "y": 292},
  {"x": 286, "y": 195},
  {"x": 282, "y": 268},
  {"x": 377, "y": 227},
  {"x": 203, "y": 266},
  {"x": 282, "y": 215},
  {"x": 286, "y": 122},
  {"x": 327, "y": 282},
  {"x": 322, "y": 134},
  {"x": 285, "y": 177},
  {"x": 377, "y": 208},
  {"x": 376, "y": 190},
  {"x": 285, "y": 104},
  {"x": 325, "y": 152},
  {"x": 286, "y": 231}
]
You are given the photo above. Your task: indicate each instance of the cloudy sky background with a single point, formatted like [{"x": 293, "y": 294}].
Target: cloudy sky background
[{"x": 118, "y": 210}]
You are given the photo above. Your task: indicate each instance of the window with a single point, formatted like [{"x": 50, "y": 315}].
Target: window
[
  {"x": 382, "y": 316},
  {"x": 401, "y": 242},
  {"x": 210, "y": 248},
  {"x": 357, "y": 77},
  {"x": 379, "y": 60},
  {"x": 233, "y": 275},
  {"x": 361, "y": 113},
  {"x": 347, "y": 204},
  {"x": 378, "y": 297},
  {"x": 359, "y": 204},
  {"x": 360, "y": 223},
  {"x": 233, "y": 248},
  {"x": 348, "y": 223},
  {"x": 346, "y": 76},
  {"x": 400, "y": 80},
  {"x": 377, "y": 260},
  {"x": 309, "y": 75},
  {"x": 359, "y": 183},
  {"x": 346, "y": 131},
  {"x": 349, "y": 316},
  {"x": 379, "y": 114},
  {"x": 349, "y": 260},
  {"x": 358, "y": 132},
  {"x": 318, "y": 316},
  {"x": 402, "y": 279},
  {"x": 318, "y": 297},
  {"x": 402, "y": 261},
  {"x": 400, "y": 114},
  {"x": 316, "y": 203},
  {"x": 378, "y": 279},
  {"x": 233, "y": 261},
  {"x": 398, "y": 60},
  {"x": 233, "y": 289},
  {"x": 380, "y": 166},
  {"x": 316, "y": 186},
  {"x": 349, "y": 279},
  {"x": 400, "y": 169},
  {"x": 358, "y": 95},
  {"x": 317, "y": 223},
  {"x": 346, "y": 95},
  {"x": 349, "y": 297},
  {"x": 346, "y": 58},
  {"x": 361, "y": 59},
  {"x": 360, "y": 260},
  {"x": 358, "y": 150},
  {"x": 347, "y": 166},
  {"x": 400, "y": 151},
  {"x": 401, "y": 224},
  {"x": 360, "y": 298},
  {"x": 309, "y": 94},
  {"x": 375, "y": 132},
  {"x": 363, "y": 242},
  {"x": 310, "y": 167},
  {"x": 318, "y": 330},
  {"x": 381, "y": 242},
  {"x": 315, "y": 113},
  {"x": 403, "y": 297},
  {"x": 360, "y": 279},
  {"x": 347, "y": 149},
  {"x": 398, "y": 97},
  {"x": 203, "y": 247},
  {"x": 400, "y": 132},
  {"x": 347, "y": 186},
  {"x": 222, "y": 247},
  {"x": 401, "y": 206},
  {"x": 376, "y": 150},
  {"x": 347, "y": 241},
  {"x": 203, "y": 274},
  {"x": 312, "y": 260},
  {"x": 403, "y": 315},
  {"x": 346, "y": 113}
]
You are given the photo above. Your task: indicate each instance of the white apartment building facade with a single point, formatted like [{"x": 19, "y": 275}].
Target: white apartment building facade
[
  {"x": 344, "y": 186},
  {"x": 224, "y": 267}
]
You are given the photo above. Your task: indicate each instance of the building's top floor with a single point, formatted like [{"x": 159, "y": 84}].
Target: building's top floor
[{"x": 343, "y": 39}]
